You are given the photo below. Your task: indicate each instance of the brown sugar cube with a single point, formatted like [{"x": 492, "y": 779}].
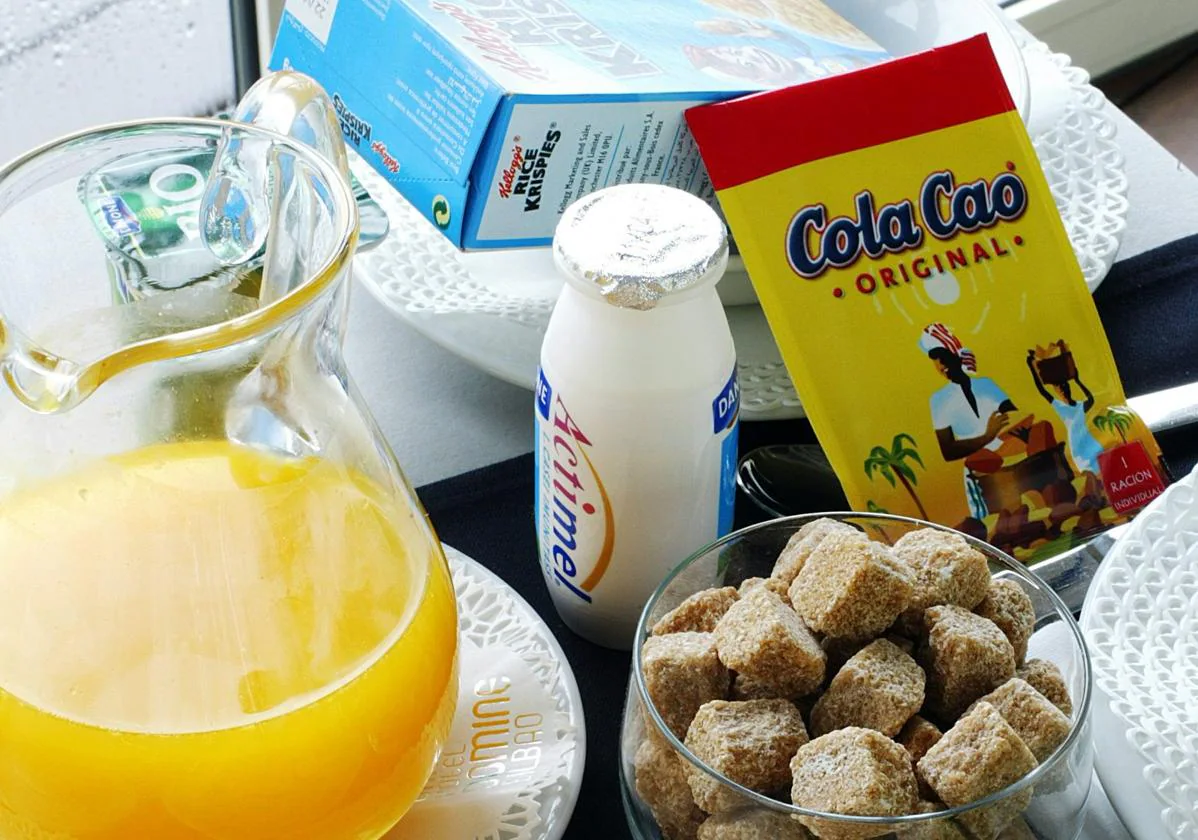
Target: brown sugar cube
[
  {"x": 851, "y": 587},
  {"x": 965, "y": 656},
  {"x": 697, "y": 614},
  {"x": 1039, "y": 723},
  {"x": 919, "y": 736},
  {"x": 945, "y": 829},
  {"x": 752, "y": 824},
  {"x": 946, "y": 570},
  {"x": 773, "y": 585},
  {"x": 682, "y": 672},
  {"x": 980, "y": 755},
  {"x": 750, "y": 742},
  {"x": 799, "y": 547},
  {"x": 852, "y": 771},
  {"x": 661, "y": 784},
  {"x": 880, "y": 687},
  {"x": 1008, "y": 606},
  {"x": 763, "y": 639},
  {"x": 1046, "y": 678}
]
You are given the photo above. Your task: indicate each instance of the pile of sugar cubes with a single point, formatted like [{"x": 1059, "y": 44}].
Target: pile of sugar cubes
[{"x": 859, "y": 679}]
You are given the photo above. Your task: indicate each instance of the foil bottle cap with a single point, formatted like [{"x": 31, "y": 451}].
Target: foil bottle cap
[{"x": 634, "y": 244}]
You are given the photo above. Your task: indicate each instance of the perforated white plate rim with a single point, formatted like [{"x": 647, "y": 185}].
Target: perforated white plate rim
[{"x": 1140, "y": 620}]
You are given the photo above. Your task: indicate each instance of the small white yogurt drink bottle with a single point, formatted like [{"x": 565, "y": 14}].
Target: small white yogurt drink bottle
[{"x": 637, "y": 404}]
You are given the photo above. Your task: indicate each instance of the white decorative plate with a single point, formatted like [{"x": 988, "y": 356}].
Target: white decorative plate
[
  {"x": 491, "y": 307},
  {"x": 1141, "y": 625},
  {"x": 512, "y": 765}
]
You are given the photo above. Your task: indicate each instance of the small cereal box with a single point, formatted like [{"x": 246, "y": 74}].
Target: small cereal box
[
  {"x": 492, "y": 116},
  {"x": 915, "y": 272}
]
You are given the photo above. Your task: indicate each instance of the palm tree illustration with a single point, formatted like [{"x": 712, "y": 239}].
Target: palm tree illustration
[
  {"x": 892, "y": 464},
  {"x": 1114, "y": 420}
]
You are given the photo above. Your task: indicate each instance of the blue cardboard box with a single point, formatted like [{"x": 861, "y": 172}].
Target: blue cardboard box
[{"x": 492, "y": 116}]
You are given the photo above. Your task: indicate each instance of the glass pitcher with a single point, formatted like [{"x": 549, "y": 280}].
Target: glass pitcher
[{"x": 223, "y": 613}]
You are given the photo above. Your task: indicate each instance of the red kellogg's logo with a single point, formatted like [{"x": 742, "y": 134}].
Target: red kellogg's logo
[
  {"x": 491, "y": 41},
  {"x": 508, "y": 177},
  {"x": 525, "y": 175},
  {"x": 389, "y": 161}
]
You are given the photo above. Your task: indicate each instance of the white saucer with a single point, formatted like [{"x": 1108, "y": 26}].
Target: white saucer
[
  {"x": 491, "y": 307},
  {"x": 527, "y": 757},
  {"x": 1140, "y": 620}
]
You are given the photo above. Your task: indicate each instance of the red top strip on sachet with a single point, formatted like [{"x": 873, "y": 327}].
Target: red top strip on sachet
[{"x": 851, "y": 111}]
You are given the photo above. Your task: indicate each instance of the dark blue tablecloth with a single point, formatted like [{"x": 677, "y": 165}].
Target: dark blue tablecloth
[{"x": 1149, "y": 305}]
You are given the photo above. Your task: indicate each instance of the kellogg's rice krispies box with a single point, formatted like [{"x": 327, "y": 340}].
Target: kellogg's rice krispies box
[{"x": 492, "y": 116}]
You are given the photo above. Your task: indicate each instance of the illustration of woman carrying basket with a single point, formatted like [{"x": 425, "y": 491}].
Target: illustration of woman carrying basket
[{"x": 1053, "y": 369}]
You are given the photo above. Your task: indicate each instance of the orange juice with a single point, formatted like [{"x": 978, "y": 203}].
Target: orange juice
[{"x": 198, "y": 640}]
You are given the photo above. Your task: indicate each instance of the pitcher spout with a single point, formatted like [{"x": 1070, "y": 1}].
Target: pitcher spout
[{"x": 42, "y": 381}]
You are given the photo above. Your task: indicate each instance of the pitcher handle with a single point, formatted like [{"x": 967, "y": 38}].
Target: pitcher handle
[
  {"x": 235, "y": 212},
  {"x": 291, "y": 103}
]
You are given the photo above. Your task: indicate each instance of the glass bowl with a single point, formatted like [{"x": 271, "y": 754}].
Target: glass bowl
[{"x": 1058, "y": 787}]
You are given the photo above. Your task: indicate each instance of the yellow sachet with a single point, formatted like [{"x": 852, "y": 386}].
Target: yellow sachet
[{"x": 915, "y": 272}]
